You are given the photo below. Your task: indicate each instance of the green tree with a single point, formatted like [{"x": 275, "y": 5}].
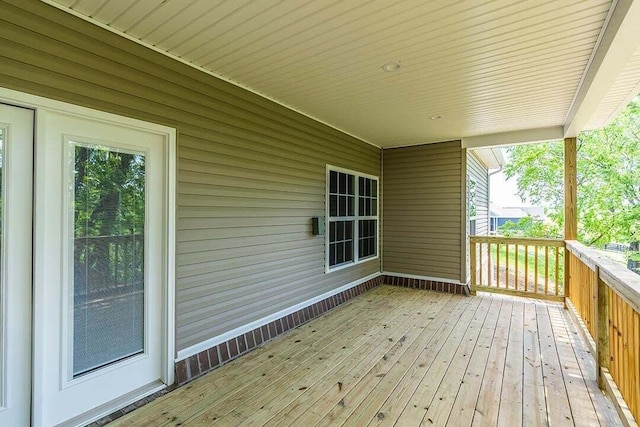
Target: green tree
[
  {"x": 528, "y": 227},
  {"x": 608, "y": 172}
]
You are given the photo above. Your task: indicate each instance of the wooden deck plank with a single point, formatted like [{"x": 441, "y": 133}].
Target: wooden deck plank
[
  {"x": 558, "y": 408},
  {"x": 422, "y": 399},
  {"x": 534, "y": 409},
  {"x": 451, "y": 359},
  {"x": 397, "y": 399},
  {"x": 456, "y": 398},
  {"x": 479, "y": 332},
  {"x": 336, "y": 382},
  {"x": 340, "y": 412},
  {"x": 355, "y": 372},
  {"x": 488, "y": 403},
  {"x": 604, "y": 408},
  {"x": 510, "y": 413},
  {"x": 581, "y": 406},
  {"x": 234, "y": 411},
  {"x": 467, "y": 397},
  {"x": 387, "y": 382},
  {"x": 405, "y": 377},
  {"x": 269, "y": 360}
]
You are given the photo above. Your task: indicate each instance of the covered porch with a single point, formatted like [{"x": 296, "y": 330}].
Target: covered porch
[
  {"x": 397, "y": 356},
  {"x": 315, "y": 152}
]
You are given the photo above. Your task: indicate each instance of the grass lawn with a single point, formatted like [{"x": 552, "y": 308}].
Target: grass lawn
[{"x": 526, "y": 258}]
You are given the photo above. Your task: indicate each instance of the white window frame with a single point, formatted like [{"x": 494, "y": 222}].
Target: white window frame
[{"x": 355, "y": 218}]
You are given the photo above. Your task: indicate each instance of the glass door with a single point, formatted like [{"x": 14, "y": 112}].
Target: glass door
[{"x": 100, "y": 266}]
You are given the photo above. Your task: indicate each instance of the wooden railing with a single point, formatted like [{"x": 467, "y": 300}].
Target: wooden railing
[
  {"x": 526, "y": 267},
  {"x": 606, "y": 297}
]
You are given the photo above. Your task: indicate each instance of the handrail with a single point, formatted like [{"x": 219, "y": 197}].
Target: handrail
[
  {"x": 606, "y": 296},
  {"x": 518, "y": 240},
  {"x": 622, "y": 280},
  {"x": 518, "y": 266}
]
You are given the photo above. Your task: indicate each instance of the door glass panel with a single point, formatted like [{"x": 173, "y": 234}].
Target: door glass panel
[{"x": 108, "y": 256}]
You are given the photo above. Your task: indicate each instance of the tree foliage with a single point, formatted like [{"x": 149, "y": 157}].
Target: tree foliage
[
  {"x": 608, "y": 173},
  {"x": 529, "y": 227}
]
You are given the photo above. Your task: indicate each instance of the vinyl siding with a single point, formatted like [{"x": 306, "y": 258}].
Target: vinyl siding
[
  {"x": 251, "y": 173},
  {"x": 422, "y": 210},
  {"x": 477, "y": 171}
]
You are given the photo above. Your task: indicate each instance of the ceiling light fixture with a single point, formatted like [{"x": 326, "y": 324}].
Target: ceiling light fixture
[
  {"x": 435, "y": 117},
  {"x": 391, "y": 66}
]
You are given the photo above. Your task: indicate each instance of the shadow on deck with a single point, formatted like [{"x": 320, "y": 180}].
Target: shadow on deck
[{"x": 397, "y": 356}]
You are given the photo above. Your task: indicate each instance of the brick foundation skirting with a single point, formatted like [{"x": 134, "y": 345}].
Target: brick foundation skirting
[
  {"x": 430, "y": 285},
  {"x": 208, "y": 360},
  {"x": 214, "y": 357}
]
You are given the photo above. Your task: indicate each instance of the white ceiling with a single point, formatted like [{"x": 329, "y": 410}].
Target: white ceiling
[{"x": 485, "y": 67}]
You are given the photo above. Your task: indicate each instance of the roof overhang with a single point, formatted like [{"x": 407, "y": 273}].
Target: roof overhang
[
  {"x": 491, "y": 157},
  {"x": 404, "y": 73}
]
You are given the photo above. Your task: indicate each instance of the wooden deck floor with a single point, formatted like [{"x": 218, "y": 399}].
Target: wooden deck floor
[{"x": 403, "y": 357}]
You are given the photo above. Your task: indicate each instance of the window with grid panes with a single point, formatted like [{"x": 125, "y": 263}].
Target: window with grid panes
[{"x": 352, "y": 218}]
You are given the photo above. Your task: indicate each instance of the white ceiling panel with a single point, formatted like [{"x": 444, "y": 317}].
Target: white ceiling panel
[
  {"x": 479, "y": 67},
  {"x": 621, "y": 93}
]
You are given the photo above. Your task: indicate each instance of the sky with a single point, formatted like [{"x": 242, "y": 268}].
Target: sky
[{"x": 503, "y": 192}]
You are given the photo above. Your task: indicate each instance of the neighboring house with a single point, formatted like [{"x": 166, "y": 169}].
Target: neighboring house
[
  {"x": 160, "y": 221},
  {"x": 500, "y": 216}
]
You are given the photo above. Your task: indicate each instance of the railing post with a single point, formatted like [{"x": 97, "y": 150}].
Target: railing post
[
  {"x": 473, "y": 263},
  {"x": 570, "y": 204},
  {"x": 603, "y": 357}
]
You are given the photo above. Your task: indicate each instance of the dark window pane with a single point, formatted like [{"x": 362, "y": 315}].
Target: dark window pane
[
  {"x": 348, "y": 251},
  {"x": 333, "y": 182},
  {"x": 361, "y": 186},
  {"x": 340, "y": 231},
  {"x": 351, "y": 201},
  {"x": 333, "y": 205},
  {"x": 339, "y": 253},
  {"x": 342, "y": 188},
  {"x": 367, "y": 187},
  {"x": 332, "y": 231},
  {"x": 374, "y": 188},
  {"x": 374, "y": 207},
  {"x": 350, "y": 187},
  {"x": 332, "y": 254},
  {"x": 342, "y": 206},
  {"x": 348, "y": 232}
]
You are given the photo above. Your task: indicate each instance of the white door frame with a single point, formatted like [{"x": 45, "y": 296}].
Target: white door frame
[
  {"x": 40, "y": 104},
  {"x": 15, "y": 347}
]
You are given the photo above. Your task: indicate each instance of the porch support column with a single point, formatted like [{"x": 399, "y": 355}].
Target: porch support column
[
  {"x": 570, "y": 190},
  {"x": 570, "y": 205}
]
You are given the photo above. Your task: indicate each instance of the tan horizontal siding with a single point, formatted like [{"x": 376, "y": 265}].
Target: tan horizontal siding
[
  {"x": 251, "y": 173},
  {"x": 422, "y": 210}
]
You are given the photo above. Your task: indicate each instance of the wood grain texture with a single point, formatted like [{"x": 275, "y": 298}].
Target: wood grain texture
[
  {"x": 398, "y": 356},
  {"x": 570, "y": 190}
]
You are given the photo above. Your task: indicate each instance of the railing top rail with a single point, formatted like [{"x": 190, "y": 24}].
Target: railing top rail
[
  {"x": 622, "y": 280},
  {"x": 517, "y": 240}
]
